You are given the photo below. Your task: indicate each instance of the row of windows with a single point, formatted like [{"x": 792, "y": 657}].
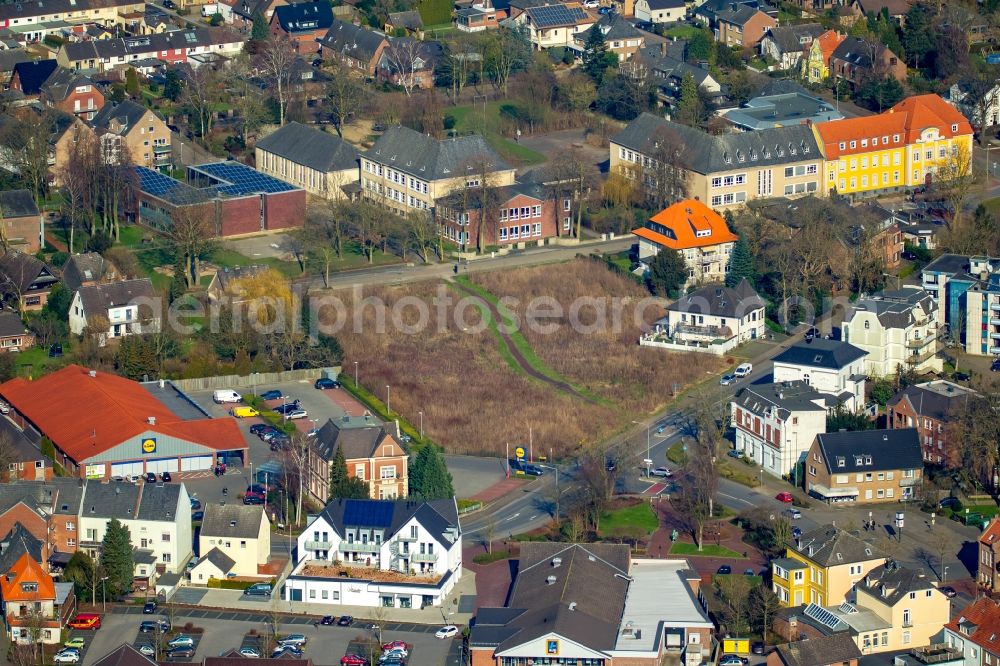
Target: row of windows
[
  {"x": 730, "y": 198},
  {"x": 395, "y": 195},
  {"x": 874, "y": 180},
  {"x": 728, "y": 181},
  {"x": 799, "y": 188},
  {"x": 875, "y": 162},
  {"x": 396, "y": 176},
  {"x": 801, "y": 170},
  {"x": 525, "y": 231},
  {"x": 874, "y": 140},
  {"x": 518, "y": 213}
]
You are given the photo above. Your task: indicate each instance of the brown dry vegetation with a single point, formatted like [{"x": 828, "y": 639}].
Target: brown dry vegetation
[{"x": 608, "y": 363}]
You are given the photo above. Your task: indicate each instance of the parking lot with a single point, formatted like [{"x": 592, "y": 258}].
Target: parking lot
[{"x": 226, "y": 630}]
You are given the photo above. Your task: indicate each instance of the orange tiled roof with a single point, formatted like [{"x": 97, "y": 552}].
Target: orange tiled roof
[
  {"x": 904, "y": 122},
  {"x": 984, "y": 613},
  {"x": 828, "y": 43},
  {"x": 26, "y": 570},
  {"x": 685, "y": 219},
  {"x": 87, "y": 415},
  {"x": 992, "y": 534}
]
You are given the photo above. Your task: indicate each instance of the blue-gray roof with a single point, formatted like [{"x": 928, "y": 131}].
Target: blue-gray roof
[
  {"x": 428, "y": 158},
  {"x": 871, "y": 450},
  {"x": 436, "y": 516},
  {"x": 820, "y": 353},
  {"x": 304, "y": 16}
]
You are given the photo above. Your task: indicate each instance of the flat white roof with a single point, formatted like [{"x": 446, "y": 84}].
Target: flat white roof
[{"x": 658, "y": 598}]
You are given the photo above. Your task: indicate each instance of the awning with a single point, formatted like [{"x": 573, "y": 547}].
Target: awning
[{"x": 823, "y": 491}]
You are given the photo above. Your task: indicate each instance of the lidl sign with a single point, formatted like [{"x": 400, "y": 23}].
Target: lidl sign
[{"x": 149, "y": 445}]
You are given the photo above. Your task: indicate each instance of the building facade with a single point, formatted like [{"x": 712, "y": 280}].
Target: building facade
[
  {"x": 128, "y": 126},
  {"x": 869, "y": 466},
  {"x": 242, "y": 532},
  {"x": 973, "y": 630},
  {"x": 115, "y": 309},
  {"x": 372, "y": 453},
  {"x": 318, "y": 162},
  {"x": 897, "y": 329},
  {"x": 929, "y": 407},
  {"x": 830, "y": 366}
]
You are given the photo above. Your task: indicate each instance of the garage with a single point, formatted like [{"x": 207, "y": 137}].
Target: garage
[
  {"x": 196, "y": 463},
  {"x": 162, "y": 465},
  {"x": 126, "y": 469}
]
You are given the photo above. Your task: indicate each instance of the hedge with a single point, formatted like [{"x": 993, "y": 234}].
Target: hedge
[{"x": 231, "y": 584}]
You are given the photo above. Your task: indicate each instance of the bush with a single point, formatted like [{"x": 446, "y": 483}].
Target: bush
[
  {"x": 495, "y": 556},
  {"x": 448, "y": 122},
  {"x": 230, "y": 584}
]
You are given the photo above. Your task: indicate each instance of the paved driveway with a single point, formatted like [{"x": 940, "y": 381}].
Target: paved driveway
[{"x": 471, "y": 475}]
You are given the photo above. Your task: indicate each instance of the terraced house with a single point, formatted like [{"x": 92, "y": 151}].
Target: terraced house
[{"x": 908, "y": 146}]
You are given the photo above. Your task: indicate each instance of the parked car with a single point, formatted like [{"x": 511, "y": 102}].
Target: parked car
[
  {"x": 732, "y": 660},
  {"x": 727, "y": 380},
  {"x": 258, "y": 589},
  {"x": 533, "y": 470},
  {"x": 749, "y": 572},
  {"x": 67, "y": 657},
  {"x": 296, "y": 414},
  {"x": 793, "y": 514},
  {"x": 244, "y": 412},
  {"x": 180, "y": 653},
  {"x": 447, "y": 631},
  {"x": 353, "y": 660},
  {"x": 796, "y": 532},
  {"x": 282, "y": 650},
  {"x": 995, "y": 367},
  {"x": 393, "y": 644},
  {"x": 757, "y": 647},
  {"x": 298, "y": 640},
  {"x": 909, "y": 256},
  {"x": 149, "y": 626},
  {"x": 55, "y": 351},
  {"x": 399, "y": 652},
  {"x": 733, "y": 453},
  {"x": 743, "y": 370},
  {"x": 662, "y": 471},
  {"x": 287, "y": 407},
  {"x": 249, "y": 653},
  {"x": 168, "y": 4},
  {"x": 328, "y": 620},
  {"x": 195, "y": 504},
  {"x": 724, "y": 570},
  {"x": 948, "y": 591},
  {"x": 952, "y": 503},
  {"x": 260, "y": 428},
  {"x": 149, "y": 608},
  {"x": 77, "y": 643},
  {"x": 611, "y": 465},
  {"x": 961, "y": 376},
  {"x": 166, "y": 477},
  {"x": 181, "y": 641},
  {"x": 150, "y": 477},
  {"x": 326, "y": 383},
  {"x": 147, "y": 650},
  {"x": 273, "y": 394},
  {"x": 661, "y": 428},
  {"x": 345, "y": 621},
  {"x": 784, "y": 496},
  {"x": 198, "y": 515}
]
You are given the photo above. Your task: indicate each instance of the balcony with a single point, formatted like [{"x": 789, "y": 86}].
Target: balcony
[
  {"x": 358, "y": 547},
  {"x": 424, "y": 557},
  {"x": 995, "y": 335},
  {"x": 994, "y": 321},
  {"x": 701, "y": 333},
  {"x": 995, "y": 350},
  {"x": 917, "y": 359},
  {"x": 919, "y": 343},
  {"x": 318, "y": 545},
  {"x": 162, "y": 150},
  {"x": 405, "y": 537},
  {"x": 995, "y": 306}
]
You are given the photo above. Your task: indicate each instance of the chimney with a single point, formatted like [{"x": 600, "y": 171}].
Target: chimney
[
  {"x": 151, "y": 420},
  {"x": 93, "y": 373},
  {"x": 663, "y": 49},
  {"x": 556, "y": 561},
  {"x": 551, "y": 580},
  {"x": 398, "y": 434}
]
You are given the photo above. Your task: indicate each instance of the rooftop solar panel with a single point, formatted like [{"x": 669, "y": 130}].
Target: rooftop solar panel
[
  {"x": 550, "y": 15},
  {"x": 821, "y": 615},
  {"x": 368, "y": 513},
  {"x": 236, "y": 179}
]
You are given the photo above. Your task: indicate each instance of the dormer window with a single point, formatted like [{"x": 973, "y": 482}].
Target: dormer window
[
  {"x": 954, "y": 128},
  {"x": 843, "y": 145},
  {"x": 841, "y": 462},
  {"x": 858, "y": 460}
]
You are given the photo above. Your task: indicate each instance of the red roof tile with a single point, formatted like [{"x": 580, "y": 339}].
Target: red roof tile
[
  {"x": 984, "y": 614},
  {"x": 992, "y": 534},
  {"x": 86, "y": 415},
  {"x": 26, "y": 570},
  {"x": 685, "y": 219}
]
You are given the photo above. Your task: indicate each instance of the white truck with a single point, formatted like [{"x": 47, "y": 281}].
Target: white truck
[{"x": 208, "y": 11}]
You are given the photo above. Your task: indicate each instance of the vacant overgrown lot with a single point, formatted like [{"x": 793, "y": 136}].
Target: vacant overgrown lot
[{"x": 474, "y": 398}]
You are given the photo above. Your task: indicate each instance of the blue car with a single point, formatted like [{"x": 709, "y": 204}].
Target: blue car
[{"x": 273, "y": 394}]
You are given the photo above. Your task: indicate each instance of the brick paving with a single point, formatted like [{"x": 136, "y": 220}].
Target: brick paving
[
  {"x": 498, "y": 490},
  {"x": 493, "y": 581}
]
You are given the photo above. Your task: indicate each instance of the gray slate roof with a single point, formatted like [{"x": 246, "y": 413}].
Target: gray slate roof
[
  {"x": 409, "y": 20},
  {"x": 428, "y": 158},
  {"x": 737, "y": 302},
  {"x": 789, "y": 38},
  {"x": 657, "y": 5},
  {"x": 738, "y": 16},
  {"x": 895, "y": 309},
  {"x": 222, "y": 562},
  {"x": 616, "y": 27},
  {"x": 62, "y": 82},
  {"x": 232, "y": 520},
  {"x": 80, "y": 268},
  {"x": 26, "y": 272},
  {"x": 820, "y": 353},
  {"x": 10, "y": 57},
  {"x": 891, "y": 582},
  {"x": 127, "y": 113},
  {"x": 304, "y": 16},
  {"x": 62, "y": 496},
  {"x": 854, "y": 51},
  {"x": 117, "y": 499},
  {"x": 937, "y": 400},
  {"x": 829, "y": 545},
  {"x": 16, "y": 543},
  {"x": 147, "y": 45},
  {"x": 704, "y": 153},
  {"x": 11, "y": 324},
  {"x": 354, "y": 441},
  {"x": 311, "y": 148},
  {"x": 436, "y": 516},
  {"x": 99, "y": 298},
  {"x": 353, "y": 41},
  {"x": 159, "y": 501},
  {"x": 850, "y": 452},
  {"x": 835, "y": 649},
  {"x": 17, "y": 203},
  {"x": 786, "y": 397}
]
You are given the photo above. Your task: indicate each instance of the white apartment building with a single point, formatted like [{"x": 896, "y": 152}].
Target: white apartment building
[
  {"x": 897, "y": 329},
  {"x": 829, "y": 366},
  {"x": 124, "y": 308}
]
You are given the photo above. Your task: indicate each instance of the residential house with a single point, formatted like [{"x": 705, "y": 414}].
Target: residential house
[
  {"x": 884, "y": 237},
  {"x": 353, "y": 46},
  {"x": 174, "y": 47},
  {"x": 663, "y": 65},
  {"x": 23, "y": 225},
  {"x": 822, "y": 566},
  {"x": 988, "y": 568},
  {"x": 67, "y": 129},
  {"x": 28, "y": 596},
  {"x": 981, "y": 108},
  {"x": 405, "y": 24},
  {"x": 409, "y": 63},
  {"x": 477, "y": 18},
  {"x": 776, "y": 423},
  {"x": 47, "y": 508},
  {"x": 697, "y": 232},
  {"x": 707, "y": 12},
  {"x": 660, "y": 11},
  {"x": 28, "y": 77},
  {"x": 8, "y": 59},
  {"x": 713, "y": 319},
  {"x": 870, "y": 466},
  {"x": 14, "y": 335},
  {"x": 974, "y": 631},
  {"x": 836, "y": 650},
  {"x": 25, "y": 460},
  {"x": 553, "y": 24},
  {"x": 406, "y": 170},
  {"x": 743, "y": 26},
  {"x": 857, "y": 61},
  {"x": 523, "y": 213},
  {"x": 303, "y": 23},
  {"x": 373, "y": 454},
  {"x": 72, "y": 92},
  {"x": 19, "y": 541},
  {"x": 594, "y": 603},
  {"x": 623, "y": 38},
  {"x": 816, "y": 64},
  {"x": 779, "y": 110},
  {"x": 213, "y": 564},
  {"x": 831, "y": 366},
  {"x": 928, "y": 407},
  {"x": 816, "y": 7},
  {"x": 115, "y": 309},
  {"x": 319, "y": 162},
  {"x": 412, "y": 549},
  {"x": 242, "y": 532},
  {"x": 788, "y": 45},
  {"x": 88, "y": 269},
  {"x": 224, "y": 281},
  {"x": 897, "y": 329},
  {"x": 26, "y": 281},
  {"x": 967, "y": 290},
  {"x": 140, "y": 131},
  {"x": 158, "y": 518},
  {"x": 31, "y": 19},
  {"x": 723, "y": 171},
  {"x": 895, "y": 9}
]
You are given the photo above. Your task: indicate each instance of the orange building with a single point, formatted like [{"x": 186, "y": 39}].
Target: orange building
[
  {"x": 697, "y": 232},
  {"x": 29, "y": 602}
]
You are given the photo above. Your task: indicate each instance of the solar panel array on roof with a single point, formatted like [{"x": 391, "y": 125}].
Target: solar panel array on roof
[
  {"x": 237, "y": 179},
  {"x": 551, "y": 15},
  {"x": 821, "y": 615},
  {"x": 368, "y": 513}
]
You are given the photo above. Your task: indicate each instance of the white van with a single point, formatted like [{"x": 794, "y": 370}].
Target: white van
[
  {"x": 222, "y": 396},
  {"x": 208, "y": 11},
  {"x": 743, "y": 369}
]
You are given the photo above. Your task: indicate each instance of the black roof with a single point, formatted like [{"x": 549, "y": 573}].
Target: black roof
[
  {"x": 80, "y": 268},
  {"x": 351, "y": 40},
  {"x": 127, "y": 113},
  {"x": 304, "y": 16},
  {"x": 17, "y": 203},
  {"x": 820, "y": 353},
  {"x": 871, "y": 450},
  {"x": 738, "y": 301},
  {"x": 311, "y": 148},
  {"x": 117, "y": 499},
  {"x": 436, "y": 516},
  {"x": 430, "y": 159},
  {"x": 937, "y": 400},
  {"x": 16, "y": 543},
  {"x": 33, "y": 74},
  {"x": 11, "y": 324}
]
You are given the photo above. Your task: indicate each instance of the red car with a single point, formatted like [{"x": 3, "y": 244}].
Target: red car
[
  {"x": 353, "y": 660},
  {"x": 784, "y": 496},
  {"x": 393, "y": 644}
]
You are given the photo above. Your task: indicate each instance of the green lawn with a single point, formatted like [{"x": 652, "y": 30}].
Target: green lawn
[
  {"x": 636, "y": 517},
  {"x": 435, "y": 12},
  {"x": 225, "y": 257},
  {"x": 36, "y": 361},
  {"x": 707, "y": 550},
  {"x": 472, "y": 119},
  {"x": 132, "y": 235},
  {"x": 992, "y": 205},
  {"x": 683, "y": 32}
]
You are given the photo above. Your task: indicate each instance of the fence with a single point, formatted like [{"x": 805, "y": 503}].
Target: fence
[{"x": 255, "y": 379}]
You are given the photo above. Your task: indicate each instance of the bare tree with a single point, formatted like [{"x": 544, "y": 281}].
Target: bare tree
[
  {"x": 663, "y": 172},
  {"x": 764, "y": 604},
  {"x": 191, "y": 236},
  {"x": 345, "y": 96},
  {"x": 245, "y": 97},
  {"x": 422, "y": 231},
  {"x": 734, "y": 592},
  {"x": 489, "y": 532},
  {"x": 324, "y": 233},
  {"x": 201, "y": 92},
  {"x": 403, "y": 56},
  {"x": 955, "y": 178},
  {"x": 571, "y": 169},
  {"x": 277, "y": 60},
  {"x": 24, "y": 144}
]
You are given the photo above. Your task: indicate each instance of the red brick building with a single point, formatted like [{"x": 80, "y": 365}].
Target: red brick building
[
  {"x": 988, "y": 571},
  {"x": 233, "y": 198},
  {"x": 522, "y": 213},
  {"x": 928, "y": 408},
  {"x": 304, "y": 23},
  {"x": 23, "y": 224},
  {"x": 72, "y": 92},
  {"x": 48, "y": 511}
]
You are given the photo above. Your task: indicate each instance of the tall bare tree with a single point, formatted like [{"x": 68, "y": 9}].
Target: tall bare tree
[
  {"x": 345, "y": 97},
  {"x": 24, "y": 144},
  {"x": 201, "y": 92},
  {"x": 277, "y": 60},
  {"x": 244, "y": 96},
  {"x": 191, "y": 235},
  {"x": 404, "y": 55}
]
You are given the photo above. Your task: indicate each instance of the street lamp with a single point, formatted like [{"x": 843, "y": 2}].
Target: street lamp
[
  {"x": 355, "y": 373},
  {"x": 421, "y": 425},
  {"x": 388, "y": 401},
  {"x": 944, "y": 575},
  {"x": 104, "y": 595}
]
